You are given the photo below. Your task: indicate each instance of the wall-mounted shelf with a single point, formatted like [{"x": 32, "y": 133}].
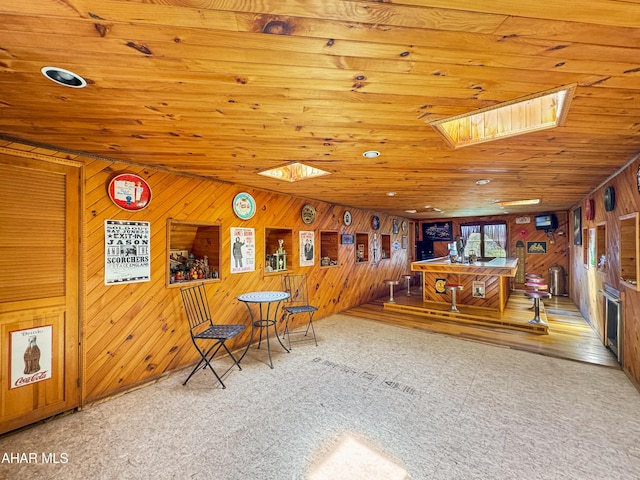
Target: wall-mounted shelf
[
  {"x": 278, "y": 246},
  {"x": 629, "y": 251},
  {"x": 193, "y": 253},
  {"x": 362, "y": 247},
  {"x": 329, "y": 242},
  {"x": 385, "y": 246}
]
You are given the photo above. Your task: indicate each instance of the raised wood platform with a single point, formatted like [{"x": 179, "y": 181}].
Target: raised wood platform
[
  {"x": 515, "y": 316},
  {"x": 570, "y": 336}
]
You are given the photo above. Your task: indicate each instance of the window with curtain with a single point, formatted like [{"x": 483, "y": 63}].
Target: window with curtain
[{"x": 486, "y": 239}]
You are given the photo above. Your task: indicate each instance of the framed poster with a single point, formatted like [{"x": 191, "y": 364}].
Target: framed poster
[
  {"x": 577, "y": 226},
  {"x": 307, "y": 244},
  {"x": 437, "y": 231},
  {"x": 31, "y": 355},
  {"x": 127, "y": 256},
  {"x": 404, "y": 241},
  {"x": 243, "y": 250}
]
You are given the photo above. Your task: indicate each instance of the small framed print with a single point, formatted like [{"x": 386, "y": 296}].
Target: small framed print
[
  {"x": 536, "y": 247},
  {"x": 479, "y": 289},
  {"x": 396, "y": 226},
  {"x": 404, "y": 242},
  {"x": 346, "y": 239}
]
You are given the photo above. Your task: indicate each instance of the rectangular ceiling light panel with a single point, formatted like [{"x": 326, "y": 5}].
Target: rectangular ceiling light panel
[{"x": 533, "y": 113}]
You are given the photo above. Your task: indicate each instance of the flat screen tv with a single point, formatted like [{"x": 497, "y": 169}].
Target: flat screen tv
[{"x": 546, "y": 222}]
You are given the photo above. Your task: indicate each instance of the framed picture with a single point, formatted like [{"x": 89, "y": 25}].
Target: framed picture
[
  {"x": 404, "y": 242},
  {"x": 346, "y": 239},
  {"x": 479, "y": 289},
  {"x": 577, "y": 226},
  {"x": 437, "y": 231},
  {"x": 396, "y": 226},
  {"x": 307, "y": 244},
  {"x": 536, "y": 247}
]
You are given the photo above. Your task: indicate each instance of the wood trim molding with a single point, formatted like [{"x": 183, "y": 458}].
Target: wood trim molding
[{"x": 39, "y": 156}]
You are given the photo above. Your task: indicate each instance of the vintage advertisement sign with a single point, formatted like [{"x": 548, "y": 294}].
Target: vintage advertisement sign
[
  {"x": 243, "y": 250},
  {"x": 129, "y": 192},
  {"x": 307, "y": 246},
  {"x": 127, "y": 256},
  {"x": 31, "y": 355}
]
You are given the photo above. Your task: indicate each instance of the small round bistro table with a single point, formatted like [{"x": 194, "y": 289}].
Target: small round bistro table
[{"x": 264, "y": 316}]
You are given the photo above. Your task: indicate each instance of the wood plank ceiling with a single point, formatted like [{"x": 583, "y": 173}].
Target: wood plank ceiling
[{"x": 225, "y": 89}]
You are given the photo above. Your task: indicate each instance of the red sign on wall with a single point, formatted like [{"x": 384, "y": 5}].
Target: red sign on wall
[{"x": 129, "y": 192}]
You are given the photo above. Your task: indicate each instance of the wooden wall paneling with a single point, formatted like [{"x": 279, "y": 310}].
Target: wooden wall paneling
[
  {"x": 557, "y": 245},
  {"x": 586, "y": 282},
  {"x": 136, "y": 332}
]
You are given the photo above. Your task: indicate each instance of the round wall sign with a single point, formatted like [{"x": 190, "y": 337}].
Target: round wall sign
[
  {"x": 308, "y": 214},
  {"x": 589, "y": 210},
  {"x": 609, "y": 198},
  {"x": 347, "y": 218},
  {"x": 129, "y": 192},
  {"x": 244, "y": 206}
]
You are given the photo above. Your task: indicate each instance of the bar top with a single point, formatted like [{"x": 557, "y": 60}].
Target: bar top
[{"x": 498, "y": 267}]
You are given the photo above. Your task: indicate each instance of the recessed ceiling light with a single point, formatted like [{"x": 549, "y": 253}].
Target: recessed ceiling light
[
  {"x": 64, "y": 77},
  {"x": 482, "y": 182},
  {"x": 371, "y": 154},
  {"x": 410, "y": 211},
  {"x": 391, "y": 194},
  {"x": 427, "y": 206}
]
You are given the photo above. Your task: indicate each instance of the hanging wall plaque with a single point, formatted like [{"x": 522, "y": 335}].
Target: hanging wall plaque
[{"x": 129, "y": 192}]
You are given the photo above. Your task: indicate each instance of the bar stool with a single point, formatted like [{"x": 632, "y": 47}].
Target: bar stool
[
  {"x": 536, "y": 284},
  {"x": 536, "y": 295},
  {"x": 408, "y": 279},
  {"x": 453, "y": 288},
  {"x": 391, "y": 283}
]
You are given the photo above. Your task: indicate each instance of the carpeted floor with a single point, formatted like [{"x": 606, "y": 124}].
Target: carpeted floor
[{"x": 371, "y": 402}]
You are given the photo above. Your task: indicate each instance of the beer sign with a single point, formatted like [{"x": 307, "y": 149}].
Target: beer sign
[{"x": 31, "y": 355}]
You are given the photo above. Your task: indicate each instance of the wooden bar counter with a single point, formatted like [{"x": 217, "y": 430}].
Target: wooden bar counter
[{"x": 494, "y": 277}]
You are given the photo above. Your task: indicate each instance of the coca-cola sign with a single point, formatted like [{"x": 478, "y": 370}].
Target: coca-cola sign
[{"x": 31, "y": 355}]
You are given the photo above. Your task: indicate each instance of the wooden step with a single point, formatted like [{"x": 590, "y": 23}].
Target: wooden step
[{"x": 516, "y": 315}]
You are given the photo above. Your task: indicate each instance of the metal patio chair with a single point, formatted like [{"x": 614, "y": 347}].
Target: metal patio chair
[
  {"x": 207, "y": 337},
  {"x": 298, "y": 303}
]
